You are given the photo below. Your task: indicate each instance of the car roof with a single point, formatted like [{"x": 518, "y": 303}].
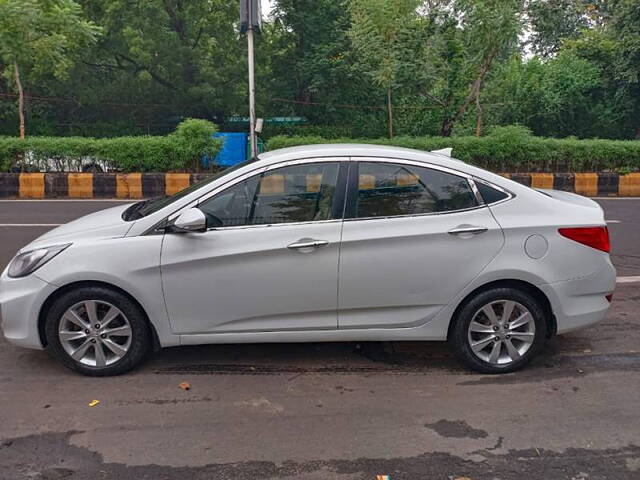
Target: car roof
[{"x": 354, "y": 150}]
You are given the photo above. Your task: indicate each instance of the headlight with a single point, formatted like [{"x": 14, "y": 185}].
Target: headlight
[{"x": 28, "y": 262}]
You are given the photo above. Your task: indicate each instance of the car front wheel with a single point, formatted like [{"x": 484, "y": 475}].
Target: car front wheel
[
  {"x": 499, "y": 330},
  {"x": 97, "y": 331}
]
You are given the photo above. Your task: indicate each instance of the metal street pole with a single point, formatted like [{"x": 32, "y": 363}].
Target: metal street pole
[
  {"x": 250, "y": 23},
  {"x": 252, "y": 94}
]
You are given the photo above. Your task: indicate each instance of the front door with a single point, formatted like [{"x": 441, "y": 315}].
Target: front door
[
  {"x": 269, "y": 259},
  {"x": 413, "y": 237}
]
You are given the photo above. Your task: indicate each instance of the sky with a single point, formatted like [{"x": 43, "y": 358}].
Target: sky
[{"x": 266, "y": 7}]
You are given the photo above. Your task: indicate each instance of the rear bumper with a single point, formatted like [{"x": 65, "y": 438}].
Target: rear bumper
[
  {"x": 581, "y": 302},
  {"x": 20, "y": 302}
]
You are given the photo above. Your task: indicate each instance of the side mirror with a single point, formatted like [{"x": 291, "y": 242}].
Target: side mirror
[{"x": 192, "y": 220}]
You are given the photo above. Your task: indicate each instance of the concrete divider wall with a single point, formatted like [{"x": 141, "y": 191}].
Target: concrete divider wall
[
  {"x": 94, "y": 185},
  {"x": 145, "y": 185}
]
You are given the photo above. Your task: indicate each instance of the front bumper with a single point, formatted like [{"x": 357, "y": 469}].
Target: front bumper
[
  {"x": 581, "y": 302},
  {"x": 20, "y": 302}
]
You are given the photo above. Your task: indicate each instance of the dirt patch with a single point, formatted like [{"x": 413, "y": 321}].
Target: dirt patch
[{"x": 456, "y": 429}]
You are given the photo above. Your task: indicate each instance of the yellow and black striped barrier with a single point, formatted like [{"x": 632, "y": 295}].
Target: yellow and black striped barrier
[
  {"x": 145, "y": 185},
  {"x": 94, "y": 185},
  {"x": 588, "y": 184}
]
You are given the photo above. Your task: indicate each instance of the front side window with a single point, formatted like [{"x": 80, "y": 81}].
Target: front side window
[
  {"x": 390, "y": 189},
  {"x": 232, "y": 206},
  {"x": 299, "y": 193},
  {"x": 147, "y": 207}
]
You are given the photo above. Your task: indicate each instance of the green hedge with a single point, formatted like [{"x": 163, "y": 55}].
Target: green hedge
[
  {"x": 181, "y": 150},
  {"x": 510, "y": 149}
]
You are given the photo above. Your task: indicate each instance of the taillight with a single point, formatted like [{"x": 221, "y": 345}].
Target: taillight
[
  {"x": 594, "y": 237},
  {"x": 609, "y": 297}
]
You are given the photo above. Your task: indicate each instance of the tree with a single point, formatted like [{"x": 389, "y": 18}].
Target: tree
[
  {"x": 561, "y": 96},
  {"x": 182, "y": 52},
  {"x": 310, "y": 62},
  {"x": 474, "y": 35},
  {"x": 611, "y": 46},
  {"x": 365, "y": 68},
  {"x": 378, "y": 31},
  {"x": 625, "y": 30},
  {"x": 41, "y": 37},
  {"x": 552, "y": 22},
  {"x": 308, "y": 44}
]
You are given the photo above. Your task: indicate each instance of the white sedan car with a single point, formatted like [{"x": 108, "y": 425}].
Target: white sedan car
[{"x": 313, "y": 244}]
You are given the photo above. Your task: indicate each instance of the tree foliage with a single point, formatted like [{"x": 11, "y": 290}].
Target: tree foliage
[
  {"x": 485, "y": 32},
  {"x": 440, "y": 67},
  {"x": 41, "y": 38},
  {"x": 379, "y": 32}
]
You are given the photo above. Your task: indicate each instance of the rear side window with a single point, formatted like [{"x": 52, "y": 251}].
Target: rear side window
[
  {"x": 390, "y": 189},
  {"x": 490, "y": 194}
]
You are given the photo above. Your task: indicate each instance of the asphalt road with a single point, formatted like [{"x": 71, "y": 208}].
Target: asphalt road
[{"x": 330, "y": 411}]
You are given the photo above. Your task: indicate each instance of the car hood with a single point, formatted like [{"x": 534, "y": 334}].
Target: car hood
[{"x": 106, "y": 223}]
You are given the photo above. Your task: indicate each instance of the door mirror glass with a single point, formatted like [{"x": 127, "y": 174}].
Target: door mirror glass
[{"x": 191, "y": 220}]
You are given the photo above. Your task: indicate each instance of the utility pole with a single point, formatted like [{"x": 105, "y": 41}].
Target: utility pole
[
  {"x": 252, "y": 95},
  {"x": 250, "y": 23}
]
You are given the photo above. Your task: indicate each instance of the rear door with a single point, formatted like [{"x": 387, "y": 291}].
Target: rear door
[{"x": 412, "y": 238}]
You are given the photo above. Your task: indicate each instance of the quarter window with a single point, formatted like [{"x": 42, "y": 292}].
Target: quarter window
[
  {"x": 490, "y": 194},
  {"x": 390, "y": 189},
  {"x": 299, "y": 193}
]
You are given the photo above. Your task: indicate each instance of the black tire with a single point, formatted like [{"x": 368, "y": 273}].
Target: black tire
[
  {"x": 459, "y": 336},
  {"x": 141, "y": 339}
]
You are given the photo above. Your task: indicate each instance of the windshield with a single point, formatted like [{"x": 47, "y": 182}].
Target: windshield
[{"x": 147, "y": 207}]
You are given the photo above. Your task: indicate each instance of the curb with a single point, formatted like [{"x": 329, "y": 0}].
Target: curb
[
  {"x": 94, "y": 185},
  {"x": 145, "y": 185}
]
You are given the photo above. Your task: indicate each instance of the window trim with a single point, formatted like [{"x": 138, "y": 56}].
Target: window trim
[
  {"x": 347, "y": 169},
  {"x": 352, "y": 192}
]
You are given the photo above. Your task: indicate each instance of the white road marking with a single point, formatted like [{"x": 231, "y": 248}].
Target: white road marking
[
  {"x": 628, "y": 279},
  {"x": 30, "y": 224},
  {"x": 613, "y": 221}
]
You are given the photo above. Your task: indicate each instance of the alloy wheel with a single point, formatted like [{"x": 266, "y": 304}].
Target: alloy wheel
[
  {"x": 501, "y": 332},
  {"x": 95, "y": 333}
]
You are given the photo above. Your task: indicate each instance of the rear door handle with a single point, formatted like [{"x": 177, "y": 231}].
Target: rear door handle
[
  {"x": 470, "y": 230},
  {"x": 307, "y": 243}
]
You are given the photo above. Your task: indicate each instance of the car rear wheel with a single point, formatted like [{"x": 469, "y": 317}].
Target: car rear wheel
[
  {"x": 97, "y": 331},
  {"x": 499, "y": 330}
]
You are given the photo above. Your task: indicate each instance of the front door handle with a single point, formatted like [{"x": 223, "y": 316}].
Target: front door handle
[
  {"x": 307, "y": 243},
  {"x": 469, "y": 230}
]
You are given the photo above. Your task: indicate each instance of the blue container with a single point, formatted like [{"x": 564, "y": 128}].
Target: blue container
[{"x": 233, "y": 151}]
